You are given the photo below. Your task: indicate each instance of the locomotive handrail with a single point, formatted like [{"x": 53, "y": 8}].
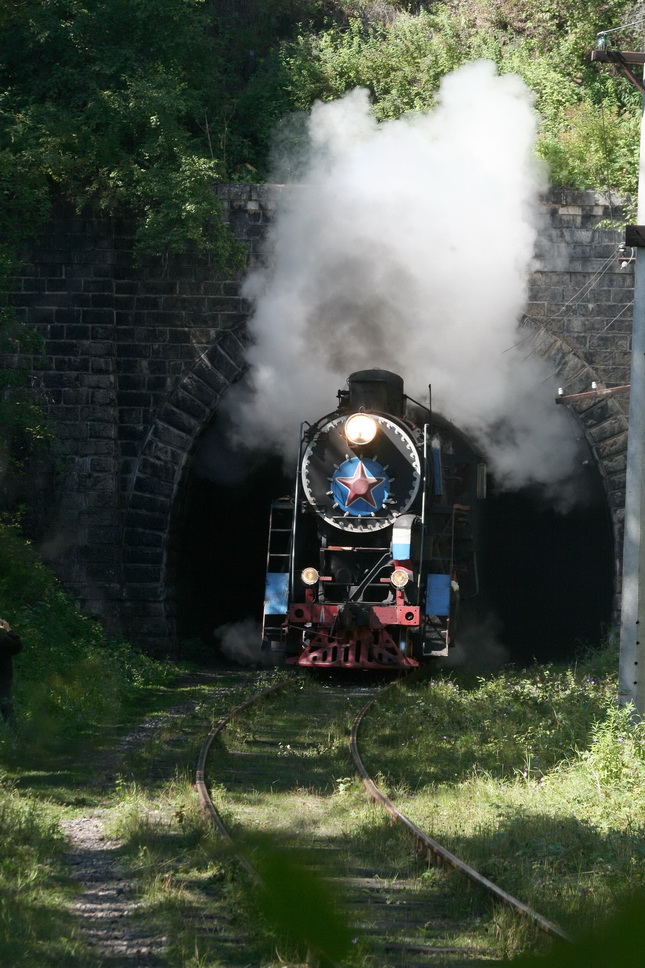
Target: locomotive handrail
[
  {"x": 424, "y": 491},
  {"x": 382, "y": 563},
  {"x": 434, "y": 849},
  {"x": 419, "y": 404},
  {"x": 296, "y": 497}
]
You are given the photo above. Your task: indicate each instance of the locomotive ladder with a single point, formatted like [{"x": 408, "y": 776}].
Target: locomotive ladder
[
  {"x": 280, "y": 530},
  {"x": 278, "y": 560},
  {"x": 450, "y": 542},
  {"x": 451, "y": 536}
]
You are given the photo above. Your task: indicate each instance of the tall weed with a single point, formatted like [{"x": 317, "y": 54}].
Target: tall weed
[{"x": 534, "y": 777}]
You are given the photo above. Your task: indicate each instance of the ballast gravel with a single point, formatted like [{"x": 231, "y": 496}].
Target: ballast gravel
[{"x": 107, "y": 905}]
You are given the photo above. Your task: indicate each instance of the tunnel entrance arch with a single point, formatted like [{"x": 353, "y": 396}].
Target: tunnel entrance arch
[
  {"x": 603, "y": 423},
  {"x": 221, "y": 534},
  {"x": 164, "y": 492},
  {"x": 153, "y": 495},
  {"x": 547, "y": 577}
]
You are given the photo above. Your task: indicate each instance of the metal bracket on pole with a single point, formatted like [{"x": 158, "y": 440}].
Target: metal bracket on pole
[
  {"x": 594, "y": 393},
  {"x": 622, "y": 58}
]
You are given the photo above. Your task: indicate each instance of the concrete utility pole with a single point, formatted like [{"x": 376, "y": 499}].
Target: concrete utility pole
[{"x": 631, "y": 685}]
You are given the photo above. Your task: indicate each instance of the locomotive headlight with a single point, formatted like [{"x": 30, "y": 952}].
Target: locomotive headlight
[
  {"x": 360, "y": 428},
  {"x": 399, "y": 578},
  {"x": 309, "y": 576}
]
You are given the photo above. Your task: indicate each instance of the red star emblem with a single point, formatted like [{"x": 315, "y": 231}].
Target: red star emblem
[{"x": 360, "y": 485}]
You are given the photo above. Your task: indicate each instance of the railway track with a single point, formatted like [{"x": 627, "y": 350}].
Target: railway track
[{"x": 280, "y": 773}]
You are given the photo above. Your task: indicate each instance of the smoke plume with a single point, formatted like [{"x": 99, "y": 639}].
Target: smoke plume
[
  {"x": 408, "y": 246},
  {"x": 479, "y": 646},
  {"x": 242, "y": 642}
]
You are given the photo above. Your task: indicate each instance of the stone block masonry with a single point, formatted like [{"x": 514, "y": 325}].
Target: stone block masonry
[
  {"x": 581, "y": 317},
  {"x": 138, "y": 357}
]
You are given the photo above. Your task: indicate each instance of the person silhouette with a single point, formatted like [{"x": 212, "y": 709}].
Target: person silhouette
[{"x": 10, "y": 645}]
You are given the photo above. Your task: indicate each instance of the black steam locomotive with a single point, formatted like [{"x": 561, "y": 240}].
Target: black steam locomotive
[{"x": 369, "y": 560}]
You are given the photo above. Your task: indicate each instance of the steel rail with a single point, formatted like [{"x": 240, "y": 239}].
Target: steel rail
[
  {"x": 207, "y": 804},
  {"x": 200, "y": 783},
  {"x": 434, "y": 851}
]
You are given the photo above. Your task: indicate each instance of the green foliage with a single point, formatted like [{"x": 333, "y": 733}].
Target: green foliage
[
  {"x": 617, "y": 753},
  {"x": 141, "y": 106},
  {"x": 498, "y": 724},
  {"x": 590, "y": 115},
  {"x": 107, "y": 102},
  {"x": 25, "y": 202},
  {"x": 598, "y": 147},
  {"x": 69, "y": 679},
  {"x": 299, "y": 905}
]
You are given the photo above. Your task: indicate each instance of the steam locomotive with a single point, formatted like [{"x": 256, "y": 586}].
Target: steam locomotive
[{"x": 370, "y": 559}]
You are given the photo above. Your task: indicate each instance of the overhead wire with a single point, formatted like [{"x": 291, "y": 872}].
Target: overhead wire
[
  {"x": 541, "y": 331},
  {"x": 577, "y": 296}
]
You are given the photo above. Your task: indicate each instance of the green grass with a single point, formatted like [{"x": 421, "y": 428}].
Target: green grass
[
  {"x": 36, "y": 926},
  {"x": 534, "y": 777}
]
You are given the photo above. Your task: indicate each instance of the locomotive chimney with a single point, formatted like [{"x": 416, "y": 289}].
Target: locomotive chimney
[{"x": 378, "y": 390}]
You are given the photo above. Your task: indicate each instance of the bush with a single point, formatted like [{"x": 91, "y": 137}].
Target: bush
[
  {"x": 589, "y": 114},
  {"x": 69, "y": 677}
]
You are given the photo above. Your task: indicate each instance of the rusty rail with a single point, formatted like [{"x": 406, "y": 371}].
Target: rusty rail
[
  {"x": 207, "y": 804},
  {"x": 434, "y": 851},
  {"x": 200, "y": 783}
]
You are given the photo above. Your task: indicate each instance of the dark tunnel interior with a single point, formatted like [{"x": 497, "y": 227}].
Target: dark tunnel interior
[
  {"x": 221, "y": 544},
  {"x": 546, "y": 577}
]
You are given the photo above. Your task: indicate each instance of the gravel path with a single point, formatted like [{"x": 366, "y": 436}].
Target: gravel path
[{"x": 106, "y": 905}]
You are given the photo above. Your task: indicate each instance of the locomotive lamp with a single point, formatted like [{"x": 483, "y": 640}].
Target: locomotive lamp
[
  {"x": 360, "y": 428},
  {"x": 399, "y": 578},
  {"x": 309, "y": 576}
]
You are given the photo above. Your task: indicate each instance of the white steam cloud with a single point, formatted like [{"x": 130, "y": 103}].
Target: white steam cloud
[{"x": 408, "y": 246}]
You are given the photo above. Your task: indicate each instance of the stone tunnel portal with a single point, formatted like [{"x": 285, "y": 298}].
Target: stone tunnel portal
[{"x": 547, "y": 578}]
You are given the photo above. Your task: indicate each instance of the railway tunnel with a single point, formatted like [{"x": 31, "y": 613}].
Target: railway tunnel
[
  {"x": 139, "y": 359},
  {"x": 547, "y": 578}
]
